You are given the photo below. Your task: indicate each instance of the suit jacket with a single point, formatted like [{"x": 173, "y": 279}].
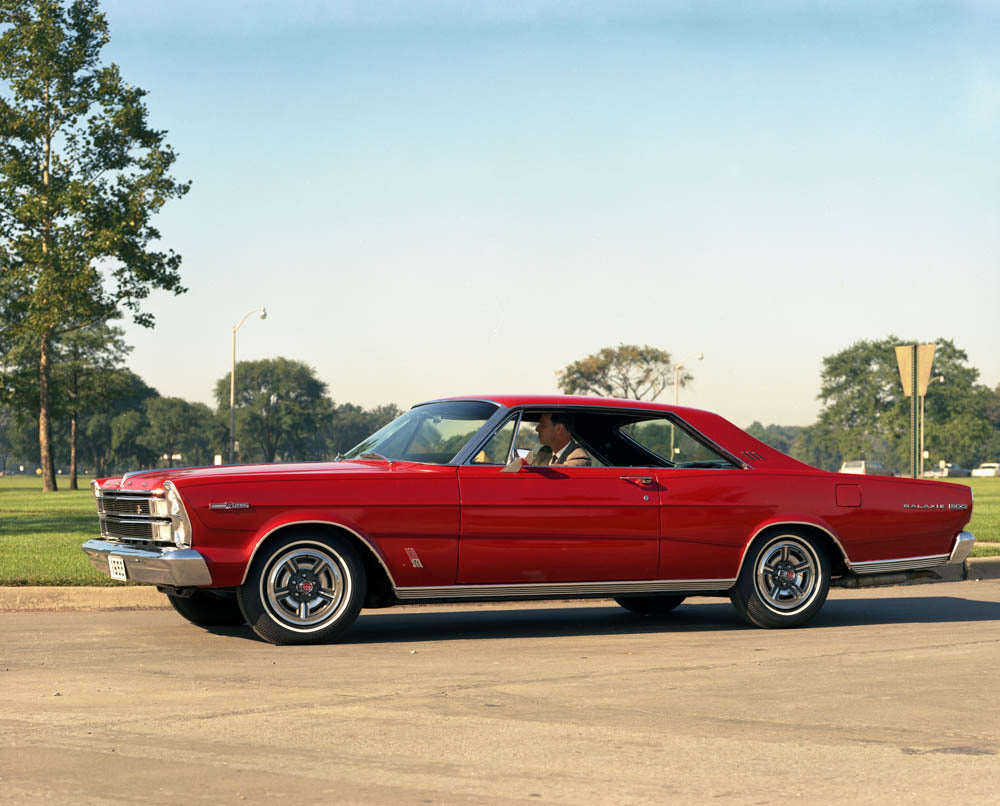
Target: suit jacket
[{"x": 572, "y": 455}]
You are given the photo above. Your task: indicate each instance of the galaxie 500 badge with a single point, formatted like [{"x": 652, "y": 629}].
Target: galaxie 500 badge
[{"x": 935, "y": 506}]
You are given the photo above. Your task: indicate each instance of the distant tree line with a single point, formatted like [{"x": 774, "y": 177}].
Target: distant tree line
[
  {"x": 864, "y": 413},
  {"x": 866, "y": 416},
  {"x": 105, "y": 419}
]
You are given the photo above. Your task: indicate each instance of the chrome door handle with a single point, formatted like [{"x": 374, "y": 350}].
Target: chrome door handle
[{"x": 638, "y": 479}]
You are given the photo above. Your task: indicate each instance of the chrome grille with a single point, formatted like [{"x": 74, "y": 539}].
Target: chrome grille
[
  {"x": 127, "y": 529},
  {"x": 126, "y": 518},
  {"x": 129, "y": 505}
]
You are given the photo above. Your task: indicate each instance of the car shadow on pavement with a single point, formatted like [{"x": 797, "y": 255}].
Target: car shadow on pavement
[{"x": 700, "y": 615}]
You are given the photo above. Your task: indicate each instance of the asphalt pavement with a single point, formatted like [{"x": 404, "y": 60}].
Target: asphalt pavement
[{"x": 886, "y": 695}]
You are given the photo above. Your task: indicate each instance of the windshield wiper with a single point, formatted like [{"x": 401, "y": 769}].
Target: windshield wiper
[{"x": 373, "y": 455}]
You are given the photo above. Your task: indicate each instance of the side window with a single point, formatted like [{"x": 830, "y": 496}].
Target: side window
[
  {"x": 671, "y": 442},
  {"x": 527, "y": 443},
  {"x": 497, "y": 447}
]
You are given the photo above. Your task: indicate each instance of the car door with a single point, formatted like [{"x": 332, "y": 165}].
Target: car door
[{"x": 557, "y": 524}]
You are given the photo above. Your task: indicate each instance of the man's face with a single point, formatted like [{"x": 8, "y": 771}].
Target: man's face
[{"x": 549, "y": 434}]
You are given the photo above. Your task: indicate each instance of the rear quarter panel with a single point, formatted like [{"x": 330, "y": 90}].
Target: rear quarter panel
[{"x": 708, "y": 517}]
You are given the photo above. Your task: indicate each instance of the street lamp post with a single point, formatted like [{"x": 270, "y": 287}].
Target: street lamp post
[
  {"x": 940, "y": 379},
  {"x": 677, "y": 370},
  {"x": 232, "y": 385}
]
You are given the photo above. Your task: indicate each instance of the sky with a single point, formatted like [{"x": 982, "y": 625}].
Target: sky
[{"x": 450, "y": 198}]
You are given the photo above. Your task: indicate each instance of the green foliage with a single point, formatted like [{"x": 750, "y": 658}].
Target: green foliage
[
  {"x": 82, "y": 175},
  {"x": 866, "y": 416},
  {"x": 985, "y": 523},
  {"x": 81, "y": 171},
  {"x": 625, "y": 371},
  {"x": 350, "y": 424},
  {"x": 279, "y": 404},
  {"x": 779, "y": 437},
  {"x": 173, "y": 426}
]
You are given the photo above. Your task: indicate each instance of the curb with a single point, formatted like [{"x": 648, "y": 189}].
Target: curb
[
  {"x": 982, "y": 568},
  {"x": 147, "y": 597},
  {"x": 126, "y": 597}
]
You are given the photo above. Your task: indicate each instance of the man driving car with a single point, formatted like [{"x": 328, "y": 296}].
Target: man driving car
[{"x": 554, "y": 431}]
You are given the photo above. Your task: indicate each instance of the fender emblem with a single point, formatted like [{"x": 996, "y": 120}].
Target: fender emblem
[{"x": 230, "y": 505}]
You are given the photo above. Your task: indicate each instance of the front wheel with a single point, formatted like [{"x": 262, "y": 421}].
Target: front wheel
[
  {"x": 784, "y": 580},
  {"x": 649, "y": 605},
  {"x": 303, "y": 589}
]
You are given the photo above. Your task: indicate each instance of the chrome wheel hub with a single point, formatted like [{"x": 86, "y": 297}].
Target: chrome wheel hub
[
  {"x": 786, "y": 575},
  {"x": 306, "y": 587}
]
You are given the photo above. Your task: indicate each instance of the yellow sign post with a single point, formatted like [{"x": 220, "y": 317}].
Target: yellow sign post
[{"x": 915, "y": 361}]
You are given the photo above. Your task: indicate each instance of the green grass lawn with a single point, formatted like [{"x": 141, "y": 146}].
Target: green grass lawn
[
  {"x": 41, "y": 533},
  {"x": 985, "y": 523}
]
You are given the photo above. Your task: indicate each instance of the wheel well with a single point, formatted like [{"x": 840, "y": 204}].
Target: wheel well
[
  {"x": 379, "y": 590},
  {"x": 834, "y": 553}
]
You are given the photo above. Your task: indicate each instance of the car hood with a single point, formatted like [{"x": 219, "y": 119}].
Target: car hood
[{"x": 144, "y": 480}]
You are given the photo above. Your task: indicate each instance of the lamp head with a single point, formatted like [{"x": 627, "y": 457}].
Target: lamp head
[{"x": 263, "y": 313}]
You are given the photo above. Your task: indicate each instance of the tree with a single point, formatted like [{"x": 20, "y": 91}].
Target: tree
[
  {"x": 128, "y": 447},
  {"x": 625, "y": 371},
  {"x": 6, "y": 427},
  {"x": 122, "y": 391},
  {"x": 84, "y": 375},
  {"x": 281, "y": 409},
  {"x": 866, "y": 416},
  {"x": 178, "y": 427},
  {"x": 81, "y": 176},
  {"x": 779, "y": 437},
  {"x": 350, "y": 424}
]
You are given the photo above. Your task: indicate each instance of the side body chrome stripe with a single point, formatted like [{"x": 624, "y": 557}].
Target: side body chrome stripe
[{"x": 557, "y": 589}]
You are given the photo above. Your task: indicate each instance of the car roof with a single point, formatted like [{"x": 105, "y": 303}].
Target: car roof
[
  {"x": 718, "y": 429},
  {"x": 556, "y": 401}
]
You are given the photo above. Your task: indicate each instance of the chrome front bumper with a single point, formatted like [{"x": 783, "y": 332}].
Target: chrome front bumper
[
  {"x": 177, "y": 567},
  {"x": 963, "y": 545}
]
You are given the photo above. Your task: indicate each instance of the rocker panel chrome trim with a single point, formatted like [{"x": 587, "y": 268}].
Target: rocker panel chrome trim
[
  {"x": 558, "y": 589},
  {"x": 902, "y": 564}
]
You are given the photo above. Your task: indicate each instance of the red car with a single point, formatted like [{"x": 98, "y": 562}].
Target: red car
[{"x": 475, "y": 499}]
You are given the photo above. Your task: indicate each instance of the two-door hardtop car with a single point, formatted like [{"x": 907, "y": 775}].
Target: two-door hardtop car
[{"x": 444, "y": 504}]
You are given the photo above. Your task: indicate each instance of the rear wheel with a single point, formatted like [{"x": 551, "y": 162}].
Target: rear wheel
[
  {"x": 784, "y": 580},
  {"x": 649, "y": 605},
  {"x": 208, "y": 609},
  {"x": 303, "y": 589}
]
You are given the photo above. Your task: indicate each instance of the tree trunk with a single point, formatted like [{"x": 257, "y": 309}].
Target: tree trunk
[
  {"x": 72, "y": 450},
  {"x": 74, "y": 417},
  {"x": 44, "y": 426}
]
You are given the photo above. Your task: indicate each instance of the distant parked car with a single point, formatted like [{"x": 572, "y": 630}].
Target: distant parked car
[
  {"x": 987, "y": 469},
  {"x": 864, "y": 467},
  {"x": 947, "y": 470}
]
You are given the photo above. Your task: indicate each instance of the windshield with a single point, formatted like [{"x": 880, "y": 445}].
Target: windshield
[{"x": 432, "y": 434}]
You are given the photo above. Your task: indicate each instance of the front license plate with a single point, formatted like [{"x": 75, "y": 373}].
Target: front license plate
[{"x": 117, "y": 567}]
